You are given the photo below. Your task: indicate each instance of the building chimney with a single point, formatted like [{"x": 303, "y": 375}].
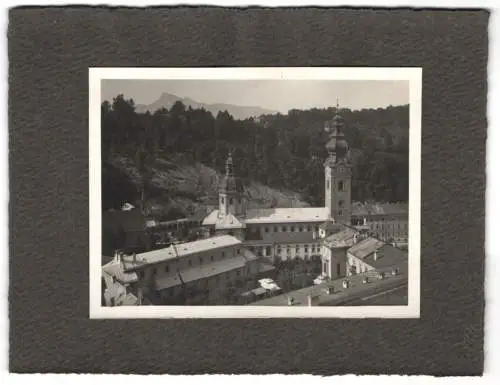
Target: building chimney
[
  {"x": 139, "y": 295},
  {"x": 290, "y": 301},
  {"x": 375, "y": 256},
  {"x": 118, "y": 256},
  {"x": 345, "y": 284},
  {"x": 309, "y": 300},
  {"x": 364, "y": 221}
]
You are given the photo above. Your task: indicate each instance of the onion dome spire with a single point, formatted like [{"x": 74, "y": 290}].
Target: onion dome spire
[
  {"x": 229, "y": 181},
  {"x": 337, "y": 146}
]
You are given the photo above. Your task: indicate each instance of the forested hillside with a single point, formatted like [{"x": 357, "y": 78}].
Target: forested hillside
[{"x": 285, "y": 152}]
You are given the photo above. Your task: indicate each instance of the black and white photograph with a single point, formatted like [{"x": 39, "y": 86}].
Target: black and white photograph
[{"x": 255, "y": 192}]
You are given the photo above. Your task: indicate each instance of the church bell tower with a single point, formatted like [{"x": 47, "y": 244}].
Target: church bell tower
[
  {"x": 338, "y": 171},
  {"x": 231, "y": 192}
]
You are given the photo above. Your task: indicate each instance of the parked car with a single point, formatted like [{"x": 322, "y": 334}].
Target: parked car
[
  {"x": 269, "y": 284},
  {"x": 320, "y": 279}
]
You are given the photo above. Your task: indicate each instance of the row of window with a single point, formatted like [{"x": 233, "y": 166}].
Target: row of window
[
  {"x": 389, "y": 221},
  {"x": 389, "y": 225},
  {"x": 201, "y": 261},
  {"x": 314, "y": 249},
  {"x": 288, "y": 257},
  {"x": 291, "y": 229}
]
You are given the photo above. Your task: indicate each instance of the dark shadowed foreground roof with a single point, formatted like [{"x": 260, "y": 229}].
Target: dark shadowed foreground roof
[
  {"x": 388, "y": 256},
  {"x": 356, "y": 290}
]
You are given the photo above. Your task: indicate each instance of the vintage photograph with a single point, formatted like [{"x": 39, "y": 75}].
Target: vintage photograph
[{"x": 255, "y": 192}]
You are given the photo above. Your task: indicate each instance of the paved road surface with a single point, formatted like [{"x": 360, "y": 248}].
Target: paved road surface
[{"x": 393, "y": 297}]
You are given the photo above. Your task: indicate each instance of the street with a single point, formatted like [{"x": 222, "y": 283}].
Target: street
[{"x": 397, "y": 296}]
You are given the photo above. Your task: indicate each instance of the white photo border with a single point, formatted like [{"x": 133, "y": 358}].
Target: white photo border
[{"x": 411, "y": 74}]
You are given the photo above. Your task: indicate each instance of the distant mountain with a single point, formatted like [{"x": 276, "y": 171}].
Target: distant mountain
[{"x": 167, "y": 100}]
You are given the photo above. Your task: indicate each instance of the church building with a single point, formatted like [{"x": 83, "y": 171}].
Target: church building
[{"x": 286, "y": 233}]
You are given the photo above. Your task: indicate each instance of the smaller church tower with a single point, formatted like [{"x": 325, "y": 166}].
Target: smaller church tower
[
  {"x": 231, "y": 197},
  {"x": 338, "y": 171}
]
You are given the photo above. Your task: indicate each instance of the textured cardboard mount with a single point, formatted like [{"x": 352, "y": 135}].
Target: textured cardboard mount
[{"x": 50, "y": 51}]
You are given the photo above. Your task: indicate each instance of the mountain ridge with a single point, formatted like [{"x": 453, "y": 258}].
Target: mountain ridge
[{"x": 167, "y": 100}]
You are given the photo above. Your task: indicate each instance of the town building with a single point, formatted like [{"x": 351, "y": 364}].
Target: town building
[
  {"x": 334, "y": 252},
  {"x": 372, "y": 254},
  {"x": 192, "y": 272},
  {"x": 386, "y": 221},
  {"x": 117, "y": 285}
]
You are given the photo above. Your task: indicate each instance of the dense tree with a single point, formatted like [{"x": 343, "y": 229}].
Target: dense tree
[{"x": 282, "y": 151}]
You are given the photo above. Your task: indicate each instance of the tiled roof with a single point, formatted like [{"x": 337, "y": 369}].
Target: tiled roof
[
  {"x": 118, "y": 292},
  {"x": 365, "y": 247},
  {"x": 344, "y": 238},
  {"x": 365, "y": 209},
  {"x": 211, "y": 218},
  {"x": 115, "y": 269},
  {"x": 356, "y": 289},
  {"x": 229, "y": 222},
  {"x": 287, "y": 215},
  {"x": 387, "y": 256},
  {"x": 277, "y": 215},
  {"x": 181, "y": 250},
  {"x": 199, "y": 272}
]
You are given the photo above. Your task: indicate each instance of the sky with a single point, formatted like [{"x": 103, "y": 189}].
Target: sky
[{"x": 277, "y": 95}]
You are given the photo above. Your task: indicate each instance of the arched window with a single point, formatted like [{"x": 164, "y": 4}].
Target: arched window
[
  {"x": 222, "y": 200},
  {"x": 341, "y": 185}
]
